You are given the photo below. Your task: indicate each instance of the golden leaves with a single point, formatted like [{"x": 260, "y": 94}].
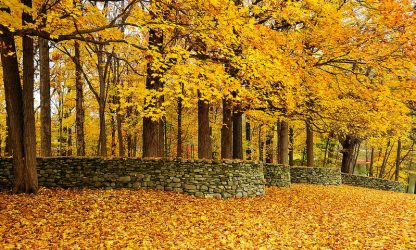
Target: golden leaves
[{"x": 303, "y": 216}]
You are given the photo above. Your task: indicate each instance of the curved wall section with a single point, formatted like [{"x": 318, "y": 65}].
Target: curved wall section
[{"x": 374, "y": 183}]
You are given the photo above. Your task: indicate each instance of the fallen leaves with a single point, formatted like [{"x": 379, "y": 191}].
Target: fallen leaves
[{"x": 303, "y": 216}]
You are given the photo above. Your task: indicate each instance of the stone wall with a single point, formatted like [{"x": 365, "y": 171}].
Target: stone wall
[
  {"x": 201, "y": 178},
  {"x": 277, "y": 175},
  {"x": 375, "y": 183},
  {"x": 324, "y": 176}
]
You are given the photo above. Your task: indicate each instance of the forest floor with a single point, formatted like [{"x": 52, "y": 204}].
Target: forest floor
[{"x": 300, "y": 217}]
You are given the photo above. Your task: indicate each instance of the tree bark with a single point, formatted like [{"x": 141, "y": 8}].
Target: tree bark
[
  {"x": 204, "y": 138},
  {"x": 292, "y": 146},
  {"x": 45, "y": 99},
  {"x": 238, "y": 135},
  {"x": 269, "y": 146},
  {"x": 309, "y": 145},
  {"x": 226, "y": 131},
  {"x": 248, "y": 139},
  {"x": 152, "y": 128},
  {"x": 347, "y": 153},
  {"x": 284, "y": 143},
  {"x": 20, "y": 107},
  {"x": 179, "y": 151},
  {"x": 398, "y": 160},
  {"x": 79, "y": 103},
  {"x": 102, "y": 73},
  {"x": 371, "y": 171},
  {"x": 260, "y": 142}
]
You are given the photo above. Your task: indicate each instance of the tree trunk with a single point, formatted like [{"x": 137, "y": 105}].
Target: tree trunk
[
  {"x": 179, "y": 146},
  {"x": 347, "y": 153},
  {"x": 69, "y": 142},
  {"x": 79, "y": 100},
  {"x": 326, "y": 152},
  {"x": 102, "y": 141},
  {"x": 113, "y": 136},
  {"x": 121, "y": 149},
  {"x": 371, "y": 162},
  {"x": 385, "y": 159},
  {"x": 226, "y": 131},
  {"x": 309, "y": 145},
  {"x": 292, "y": 146},
  {"x": 238, "y": 135},
  {"x": 45, "y": 99},
  {"x": 152, "y": 128},
  {"x": 279, "y": 142},
  {"x": 260, "y": 142},
  {"x": 204, "y": 138},
  {"x": 20, "y": 106},
  {"x": 398, "y": 159},
  {"x": 284, "y": 143},
  {"x": 269, "y": 146},
  {"x": 8, "y": 147},
  {"x": 248, "y": 139}
]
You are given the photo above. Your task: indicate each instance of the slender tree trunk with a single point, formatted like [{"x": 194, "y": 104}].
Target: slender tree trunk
[
  {"x": 204, "y": 138},
  {"x": 292, "y": 146},
  {"x": 179, "y": 146},
  {"x": 279, "y": 142},
  {"x": 248, "y": 139},
  {"x": 269, "y": 146},
  {"x": 357, "y": 152},
  {"x": 45, "y": 99},
  {"x": 284, "y": 143},
  {"x": 260, "y": 142},
  {"x": 102, "y": 141},
  {"x": 113, "y": 136},
  {"x": 310, "y": 162},
  {"x": 29, "y": 131},
  {"x": 226, "y": 131},
  {"x": 371, "y": 162},
  {"x": 61, "y": 121},
  {"x": 79, "y": 106},
  {"x": 326, "y": 152},
  {"x": 69, "y": 142},
  {"x": 238, "y": 135},
  {"x": 398, "y": 159},
  {"x": 385, "y": 159}
]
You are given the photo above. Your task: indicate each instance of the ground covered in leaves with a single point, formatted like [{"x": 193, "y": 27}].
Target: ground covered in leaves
[{"x": 303, "y": 216}]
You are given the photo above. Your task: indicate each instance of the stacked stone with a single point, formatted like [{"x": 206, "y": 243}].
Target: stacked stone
[
  {"x": 277, "y": 175},
  {"x": 200, "y": 178},
  {"x": 323, "y": 176},
  {"x": 374, "y": 183}
]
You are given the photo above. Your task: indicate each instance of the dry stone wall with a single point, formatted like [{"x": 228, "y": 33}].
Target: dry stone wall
[
  {"x": 277, "y": 175},
  {"x": 200, "y": 178},
  {"x": 323, "y": 176},
  {"x": 374, "y": 183}
]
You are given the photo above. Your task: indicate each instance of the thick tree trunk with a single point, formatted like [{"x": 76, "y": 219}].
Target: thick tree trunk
[
  {"x": 8, "y": 147},
  {"x": 204, "y": 138},
  {"x": 292, "y": 146},
  {"x": 79, "y": 106},
  {"x": 20, "y": 107},
  {"x": 102, "y": 73},
  {"x": 398, "y": 159},
  {"x": 238, "y": 135},
  {"x": 347, "y": 153},
  {"x": 121, "y": 150},
  {"x": 279, "y": 142},
  {"x": 284, "y": 143},
  {"x": 45, "y": 99},
  {"x": 152, "y": 129},
  {"x": 371, "y": 171},
  {"x": 309, "y": 145},
  {"x": 226, "y": 131},
  {"x": 248, "y": 139}
]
